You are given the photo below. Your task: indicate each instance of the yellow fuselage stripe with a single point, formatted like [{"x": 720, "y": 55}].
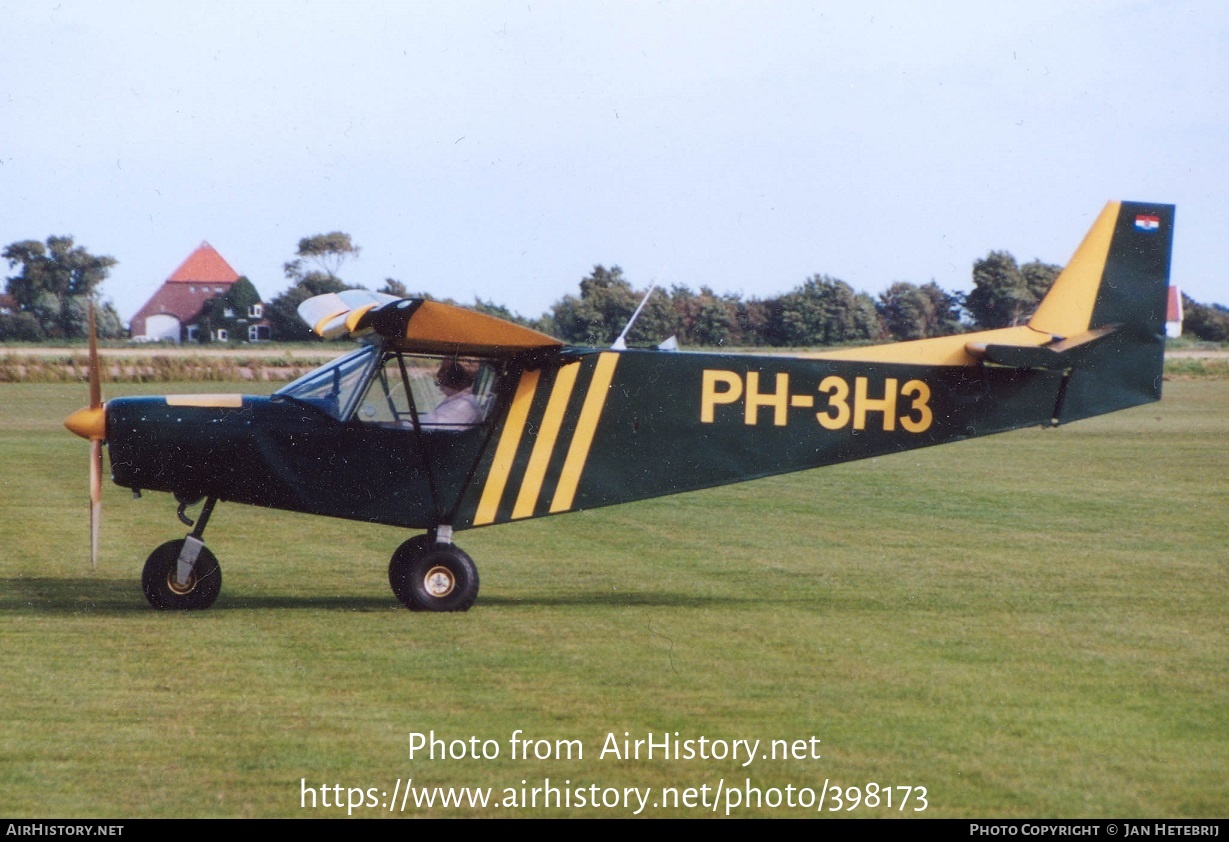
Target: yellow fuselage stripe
[
  {"x": 578, "y": 453},
  {"x": 531, "y": 486},
  {"x": 505, "y": 452},
  {"x": 227, "y": 401}
]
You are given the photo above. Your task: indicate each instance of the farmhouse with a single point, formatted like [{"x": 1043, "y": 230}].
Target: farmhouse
[{"x": 180, "y": 311}]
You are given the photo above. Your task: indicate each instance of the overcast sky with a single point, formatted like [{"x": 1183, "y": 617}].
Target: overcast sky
[{"x": 500, "y": 150}]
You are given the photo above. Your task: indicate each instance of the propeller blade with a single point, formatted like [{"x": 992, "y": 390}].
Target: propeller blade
[
  {"x": 95, "y": 499},
  {"x": 95, "y": 443},
  {"x": 95, "y": 369}
]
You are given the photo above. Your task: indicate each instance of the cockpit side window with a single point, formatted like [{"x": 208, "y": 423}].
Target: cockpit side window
[{"x": 447, "y": 393}]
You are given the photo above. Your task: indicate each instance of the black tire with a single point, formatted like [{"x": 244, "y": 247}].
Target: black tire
[
  {"x": 401, "y": 562},
  {"x": 427, "y": 576},
  {"x": 158, "y": 580}
]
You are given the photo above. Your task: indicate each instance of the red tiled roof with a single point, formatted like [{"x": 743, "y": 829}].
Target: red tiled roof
[
  {"x": 1174, "y": 311},
  {"x": 204, "y": 275},
  {"x": 205, "y": 266}
]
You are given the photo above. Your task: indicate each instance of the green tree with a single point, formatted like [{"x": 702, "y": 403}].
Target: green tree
[
  {"x": 312, "y": 272},
  {"x": 20, "y": 327},
  {"x": 703, "y": 318},
  {"x": 392, "y": 286},
  {"x": 756, "y": 319},
  {"x": 826, "y": 311},
  {"x": 714, "y": 325},
  {"x": 283, "y": 314},
  {"x": 1207, "y": 322},
  {"x": 999, "y": 297},
  {"x": 1005, "y": 294},
  {"x": 52, "y": 289},
  {"x": 913, "y": 312},
  {"x": 657, "y": 322},
  {"x": 903, "y": 310},
  {"x": 325, "y": 252},
  {"x": 601, "y": 311},
  {"x": 1039, "y": 277},
  {"x": 597, "y": 316},
  {"x": 945, "y": 310}
]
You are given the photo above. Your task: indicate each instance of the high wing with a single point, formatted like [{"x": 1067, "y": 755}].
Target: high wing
[{"x": 418, "y": 325}]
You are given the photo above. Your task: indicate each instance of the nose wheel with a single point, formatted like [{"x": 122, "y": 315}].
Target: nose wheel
[
  {"x": 183, "y": 575},
  {"x": 167, "y": 592},
  {"x": 429, "y": 576}
]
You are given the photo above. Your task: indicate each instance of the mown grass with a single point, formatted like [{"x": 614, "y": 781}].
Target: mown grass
[
  {"x": 1031, "y": 624},
  {"x": 1188, "y": 368}
]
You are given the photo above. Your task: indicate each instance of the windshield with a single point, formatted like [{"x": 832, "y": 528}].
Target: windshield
[{"x": 332, "y": 388}]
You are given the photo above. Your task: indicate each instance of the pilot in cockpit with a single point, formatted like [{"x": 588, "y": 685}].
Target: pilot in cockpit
[{"x": 459, "y": 409}]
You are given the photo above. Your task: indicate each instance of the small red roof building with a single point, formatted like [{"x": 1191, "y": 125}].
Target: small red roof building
[
  {"x": 1173, "y": 314},
  {"x": 174, "y": 310}
]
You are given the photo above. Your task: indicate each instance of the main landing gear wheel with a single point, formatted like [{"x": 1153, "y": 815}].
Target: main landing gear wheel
[
  {"x": 427, "y": 576},
  {"x": 165, "y": 594}
]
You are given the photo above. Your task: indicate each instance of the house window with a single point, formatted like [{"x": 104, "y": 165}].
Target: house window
[
  {"x": 219, "y": 290},
  {"x": 191, "y": 288},
  {"x": 258, "y": 333},
  {"x": 256, "y": 311},
  {"x": 228, "y": 313},
  {"x": 220, "y": 334},
  {"x": 192, "y": 335}
]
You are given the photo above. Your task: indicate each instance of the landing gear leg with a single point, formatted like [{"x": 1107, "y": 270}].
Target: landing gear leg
[
  {"x": 183, "y": 575},
  {"x": 428, "y": 574}
]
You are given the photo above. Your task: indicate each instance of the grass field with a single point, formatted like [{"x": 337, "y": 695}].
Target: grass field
[{"x": 1032, "y": 624}]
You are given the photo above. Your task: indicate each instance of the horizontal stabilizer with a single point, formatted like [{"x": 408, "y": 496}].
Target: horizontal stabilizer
[
  {"x": 1018, "y": 356},
  {"x": 1053, "y": 356}
]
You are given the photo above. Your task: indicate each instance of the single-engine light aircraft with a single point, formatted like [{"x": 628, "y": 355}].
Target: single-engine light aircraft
[{"x": 444, "y": 419}]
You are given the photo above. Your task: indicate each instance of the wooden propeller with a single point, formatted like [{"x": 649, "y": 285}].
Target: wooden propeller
[{"x": 95, "y": 443}]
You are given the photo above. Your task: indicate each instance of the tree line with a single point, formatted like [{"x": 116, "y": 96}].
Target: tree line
[
  {"x": 48, "y": 293},
  {"x": 821, "y": 311},
  {"x": 48, "y": 298}
]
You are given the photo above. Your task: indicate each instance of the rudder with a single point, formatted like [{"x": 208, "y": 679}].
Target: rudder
[{"x": 1118, "y": 357}]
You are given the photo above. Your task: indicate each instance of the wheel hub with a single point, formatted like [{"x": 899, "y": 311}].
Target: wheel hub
[
  {"x": 439, "y": 582},
  {"x": 178, "y": 589}
]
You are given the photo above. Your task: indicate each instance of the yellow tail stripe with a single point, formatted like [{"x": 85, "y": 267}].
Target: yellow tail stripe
[
  {"x": 578, "y": 453},
  {"x": 1067, "y": 308},
  {"x": 531, "y": 486},
  {"x": 505, "y": 451}
]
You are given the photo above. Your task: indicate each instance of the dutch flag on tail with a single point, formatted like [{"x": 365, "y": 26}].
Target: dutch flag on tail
[{"x": 1145, "y": 222}]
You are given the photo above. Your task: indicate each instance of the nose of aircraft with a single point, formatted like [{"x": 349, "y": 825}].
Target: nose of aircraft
[{"x": 89, "y": 423}]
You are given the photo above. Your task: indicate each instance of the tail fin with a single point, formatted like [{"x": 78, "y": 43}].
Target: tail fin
[
  {"x": 1118, "y": 276},
  {"x": 1109, "y": 307}
]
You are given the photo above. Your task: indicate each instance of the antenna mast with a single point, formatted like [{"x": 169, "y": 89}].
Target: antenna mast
[{"x": 620, "y": 344}]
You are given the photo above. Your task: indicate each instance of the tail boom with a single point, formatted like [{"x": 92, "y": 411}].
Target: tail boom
[{"x": 644, "y": 424}]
